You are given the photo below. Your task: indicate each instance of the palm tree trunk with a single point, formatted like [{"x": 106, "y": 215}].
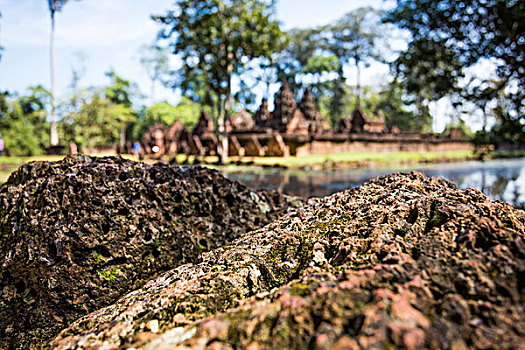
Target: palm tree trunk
[
  {"x": 358, "y": 85},
  {"x": 54, "y": 132}
]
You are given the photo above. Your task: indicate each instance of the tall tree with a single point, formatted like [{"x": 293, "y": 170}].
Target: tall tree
[
  {"x": 216, "y": 39},
  {"x": 118, "y": 93},
  {"x": 1, "y": 48},
  {"x": 426, "y": 80},
  {"x": 155, "y": 61},
  {"x": 452, "y": 36},
  {"x": 354, "y": 38},
  {"x": 99, "y": 121},
  {"x": 54, "y": 7},
  {"x": 19, "y": 124},
  {"x": 317, "y": 57}
]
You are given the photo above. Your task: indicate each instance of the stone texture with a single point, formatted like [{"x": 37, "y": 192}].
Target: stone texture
[
  {"x": 262, "y": 115},
  {"x": 77, "y": 234},
  {"x": 285, "y": 105},
  {"x": 403, "y": 261},
  {"x": 317, "y": 123}
]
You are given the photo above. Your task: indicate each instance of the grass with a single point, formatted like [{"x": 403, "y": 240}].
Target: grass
[
  {"x": 507, "y": 154},
  {"x": 360, "y": 157},
  {"x": 22, "y": 160},
  {"x": 9, "y": 164}
]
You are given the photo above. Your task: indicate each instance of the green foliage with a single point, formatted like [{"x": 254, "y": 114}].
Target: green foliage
[
  {"x": 187, "y": 111},
  {"x": 109, "y": 275},
  {"x": 98, "y": 120},
  {"x": 216, "y": 39},
  {"x": 291, "y": 62},
  {"x": 397, "y": 112},
  {"x": 34, "y": 108},
  {"x": 162, "y": 112},
  {"x": 315, "y": 58},
  {"x": 100, "y": 116},
  {"x": 17, "y": 129},
  {"x": 119, "y": 91},
  {"x": 450, "y": 37},
  {"x": 508, "y": 133},
  {"x": 428, "y": 70}
]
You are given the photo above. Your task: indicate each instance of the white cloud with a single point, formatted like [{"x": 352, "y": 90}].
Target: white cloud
[
  {"x": 111, "y": 32},
  {"x": 80, "y": 23}
]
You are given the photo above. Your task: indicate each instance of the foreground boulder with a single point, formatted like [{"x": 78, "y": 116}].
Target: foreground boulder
[
  {"x": 77, "y": 234},
  {"x": 402, "y": 261}
]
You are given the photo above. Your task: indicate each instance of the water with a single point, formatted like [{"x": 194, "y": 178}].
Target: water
[{"x": 499, "y": 179}]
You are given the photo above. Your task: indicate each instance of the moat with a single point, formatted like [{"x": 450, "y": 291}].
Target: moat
[{"x": 502, "y": 179}]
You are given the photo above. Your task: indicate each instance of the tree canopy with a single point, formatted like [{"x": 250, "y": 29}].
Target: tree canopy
[
  {"x": 451, "y": 37},
  {"x": 23, "y": 122},
  {"x": 316, "y": 57},
  {"x": 215, "y": 39}
]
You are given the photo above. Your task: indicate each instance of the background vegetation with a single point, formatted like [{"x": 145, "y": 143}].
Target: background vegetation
[{"x": 228, "y": 47}]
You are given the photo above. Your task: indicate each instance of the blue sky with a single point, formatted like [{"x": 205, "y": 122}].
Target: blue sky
[{"x": 110, "y": 34}]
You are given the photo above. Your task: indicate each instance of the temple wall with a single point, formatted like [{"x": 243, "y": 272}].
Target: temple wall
[{"x": 348, "y": 146}]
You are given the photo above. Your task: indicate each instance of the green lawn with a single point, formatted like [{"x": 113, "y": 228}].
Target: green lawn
[
  {"x": 383, "y": 158},
  {"x": 9, "y": 164}
]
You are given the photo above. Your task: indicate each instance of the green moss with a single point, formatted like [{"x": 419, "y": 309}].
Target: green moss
[
  {"x": 110, "y": 275},
  {"x": 224, "y": 296},
  {"x": 300, "y": 290},
  {"x": 325, "y": 228},
  {"x": 234, "y": 329},
  {"x": 99, "y": 259},
  {"x": 286, "y": 260}
]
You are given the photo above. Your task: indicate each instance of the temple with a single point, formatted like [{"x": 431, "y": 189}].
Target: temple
[{"x": 292, "y": 128}]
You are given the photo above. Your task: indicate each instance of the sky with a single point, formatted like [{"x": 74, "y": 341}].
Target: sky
[{"x": 109, "y": 34}]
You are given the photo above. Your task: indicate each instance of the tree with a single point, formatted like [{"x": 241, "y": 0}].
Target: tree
[
  {"x": 306, "y": 63},
  {"x": 1, "y": 48},
  {"x": 119, "y": 94},
  {"x": 98, "y": 120},
  {"x": 101, "y": 116},
  {"x": 17, "y": 128},
  {"x": 316, "y": 57},
  {"x": 54, "y": 7},
  {"x": 395, "y": 106},
  {"x": 186, "y": 111},
  {"x": 156, "y": 62},
  {"x": 426, "y": 71},
  {"x": 215, "y": 40},
  {"x": 34, "y": 109},
  {"x": 452, "y": 36},
  {"x": 302, "y": 44},
  {"x": 355, "y": 38}
]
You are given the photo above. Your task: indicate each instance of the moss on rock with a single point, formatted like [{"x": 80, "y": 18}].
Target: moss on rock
[
  {"x": 79, "y": 233},
  {"x": 403, "y": 261}
]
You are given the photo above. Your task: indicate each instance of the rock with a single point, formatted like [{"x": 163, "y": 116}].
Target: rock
[
  {"x": 407, "y": 261},
  {"x": 77, "y": 234}
]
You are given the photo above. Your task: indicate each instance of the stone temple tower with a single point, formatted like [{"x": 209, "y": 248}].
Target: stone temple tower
[{"x": 285, "y": 105}]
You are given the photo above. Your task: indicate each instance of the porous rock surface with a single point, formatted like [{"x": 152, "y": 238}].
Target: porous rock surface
[
  {"x": 402, "y": 261},
  {"x": 77, "y": 234}
]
